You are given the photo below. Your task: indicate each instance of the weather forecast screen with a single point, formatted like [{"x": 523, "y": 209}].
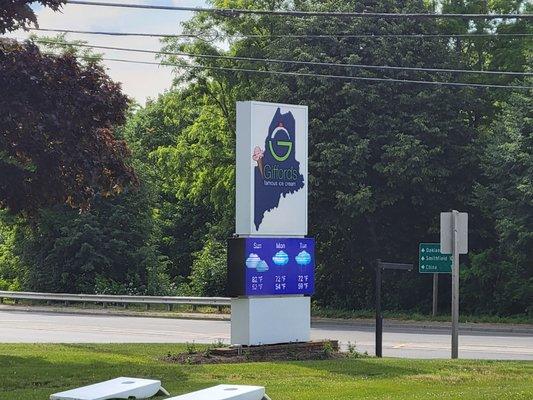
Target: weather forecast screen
[{"x": 279, "y": 266}]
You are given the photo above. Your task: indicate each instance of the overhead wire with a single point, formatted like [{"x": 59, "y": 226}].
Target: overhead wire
[
  {"x": 288, "y": 36},
  {"x": 314, "y": 75},
  {"x": 290, "y": 62},
  {"x": 230, "y": 12},
  {"x": 295, "y": 13}
]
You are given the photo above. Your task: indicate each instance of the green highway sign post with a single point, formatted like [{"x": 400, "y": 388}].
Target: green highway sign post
[{"x": 432, "y": 261}]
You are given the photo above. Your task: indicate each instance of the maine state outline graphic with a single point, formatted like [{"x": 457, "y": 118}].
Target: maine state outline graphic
[{"x": 277, "y": 172}]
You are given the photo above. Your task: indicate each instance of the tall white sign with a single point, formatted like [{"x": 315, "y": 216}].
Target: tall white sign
[{"x": 271, "y": 169}]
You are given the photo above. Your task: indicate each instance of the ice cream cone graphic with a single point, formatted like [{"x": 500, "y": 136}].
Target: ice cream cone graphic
[{"x": 258, "y": 157}]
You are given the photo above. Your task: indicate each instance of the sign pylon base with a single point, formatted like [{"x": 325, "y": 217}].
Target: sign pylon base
[{"x": 270, "y": 320}]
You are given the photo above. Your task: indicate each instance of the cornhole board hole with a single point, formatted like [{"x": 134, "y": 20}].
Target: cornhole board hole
[
  {"x": 226, "y": 392},
  {"x": 119, "y": 388}
]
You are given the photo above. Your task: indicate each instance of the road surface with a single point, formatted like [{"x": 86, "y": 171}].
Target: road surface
[{"x": 412, "y": 342}]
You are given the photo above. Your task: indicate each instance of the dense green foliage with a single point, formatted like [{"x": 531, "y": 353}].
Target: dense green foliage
[
  {"x": 500, "y": 277},
  {"x": 106, "y": 250},
  {"x": 385, "y": 160},
  {"x": 35, "y": 371}
]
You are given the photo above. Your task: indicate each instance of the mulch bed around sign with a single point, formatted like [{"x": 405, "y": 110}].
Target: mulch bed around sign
[{"x": 323, "y": 350}]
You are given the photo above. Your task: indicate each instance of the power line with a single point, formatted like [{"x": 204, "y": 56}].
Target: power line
[
  {"x": 231, "y": 12},
  {"x": 293, "y": 62},
  {"x": 289, "y": 36},
  {"x": 106, "y": 33},
  {"x": 313, "y": 75}
]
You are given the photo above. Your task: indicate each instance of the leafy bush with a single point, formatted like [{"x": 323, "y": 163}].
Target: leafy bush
[
  {"x": 11, "y": 268},
  {"x": 107, "y": 250},
  {"x": 208, "y": 275}
]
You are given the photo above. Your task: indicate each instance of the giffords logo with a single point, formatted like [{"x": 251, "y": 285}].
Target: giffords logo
[
  {"x": 277, "y": 172},
  {"x": 280, "y": 144}
]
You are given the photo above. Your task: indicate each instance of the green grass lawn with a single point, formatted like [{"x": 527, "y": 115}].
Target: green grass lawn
[{"x": 32, "y": 372}]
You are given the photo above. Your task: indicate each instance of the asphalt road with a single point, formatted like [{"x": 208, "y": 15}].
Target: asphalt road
[{"x": 412, "y": 342}]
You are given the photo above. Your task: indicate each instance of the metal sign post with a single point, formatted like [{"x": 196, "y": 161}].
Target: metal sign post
[
  {"x": 435, "y": 294},
  {"x": 379, "y": 314},
  {"x": 455, "y": 286},
  {"x": 454, "y": 240}
]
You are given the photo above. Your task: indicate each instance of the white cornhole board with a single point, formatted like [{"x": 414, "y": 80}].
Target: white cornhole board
[
  {"x": 119, "y": 388},
  {"x": 225, "y": 392}
]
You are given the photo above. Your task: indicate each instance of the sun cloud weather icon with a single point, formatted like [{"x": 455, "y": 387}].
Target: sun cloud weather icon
[
  {"x": 254, "y": 262},
  {"x": 303, "y": 258},
  {"x": 281, "y": 258}
]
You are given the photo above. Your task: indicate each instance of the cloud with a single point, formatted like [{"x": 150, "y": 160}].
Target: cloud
[
  {"x": 303, "y": 258},
  {"x": 281, "y": 258},
  {"x": 252, "y": 261},
  {"x": 262, "y": 266},
  {"x": 138, "y": 81}
]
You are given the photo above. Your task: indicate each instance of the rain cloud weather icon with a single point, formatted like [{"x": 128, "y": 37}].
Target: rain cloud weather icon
[
  {"x": 303, "y": 258},
  {"x": 281, "y": 258}
]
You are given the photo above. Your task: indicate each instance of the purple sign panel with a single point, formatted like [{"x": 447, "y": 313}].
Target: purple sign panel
[{"x": 279, "y": 266}]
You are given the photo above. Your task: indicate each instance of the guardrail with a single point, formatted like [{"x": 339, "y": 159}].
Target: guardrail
[{"x": 106, "y": 299}]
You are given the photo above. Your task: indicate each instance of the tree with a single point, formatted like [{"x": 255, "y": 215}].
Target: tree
[
  {"x": 182, "y": 222},
  {"x": 57, "y": 148},
  {"x": 208, "y": 275},
  {"x": 109, "y": 249},
  {"x": 10, "y": 265},
  {"x": 60, "y": 44},
  {"x": 498, "y": 52},
  {"x": 17, "y": 14},
  {"x": 385, "y": 158},
  {"x": 56, "y": 131},
  {"x": 500, "y": 277}
]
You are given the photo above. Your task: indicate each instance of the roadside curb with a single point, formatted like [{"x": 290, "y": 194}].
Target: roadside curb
[
  {"x": 468, "y": 326},
  {"x": 368, "y": 323}
]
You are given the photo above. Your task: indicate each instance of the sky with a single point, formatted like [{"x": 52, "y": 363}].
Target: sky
[{"x": 138, "y": 81}]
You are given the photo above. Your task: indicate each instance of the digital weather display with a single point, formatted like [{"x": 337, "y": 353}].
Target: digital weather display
[{"x": 271, "y": 266}]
